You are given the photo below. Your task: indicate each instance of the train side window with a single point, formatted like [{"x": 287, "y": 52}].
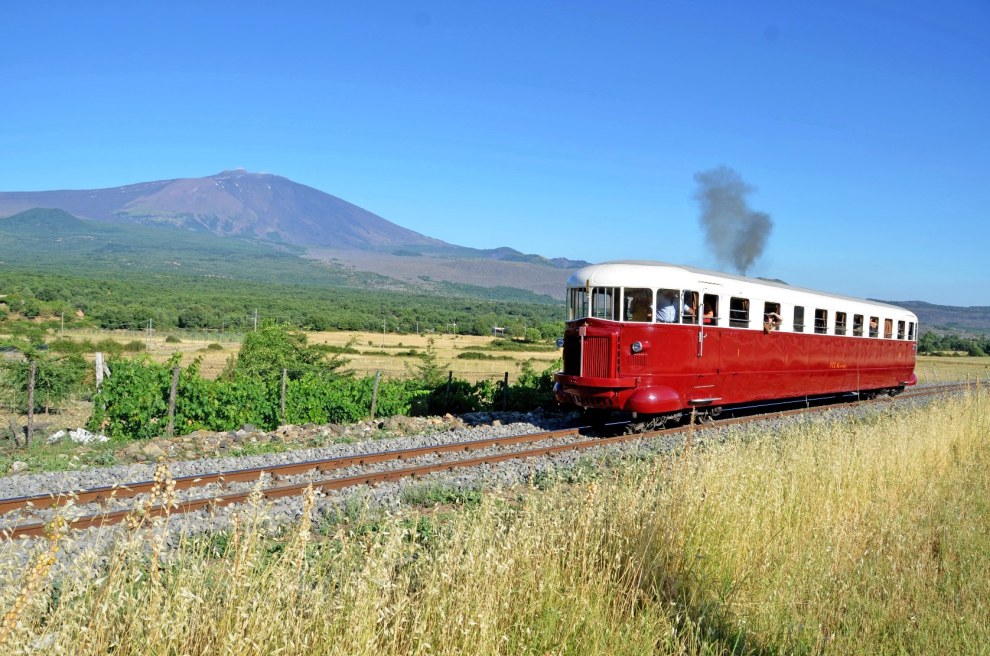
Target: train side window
[
  {"x": 604, "y": 303},
  {"x": 888, "y": 328},
  {"x": 840, "y": 323},
  {"x": 911, "y": 330},
  {"x": 639, "y": 304},
  {"x": 799, "y": 318},
  {"x": 710, "y": 309},
  {"x": 900, "y": 330},
  {"x": 739, "y": 312},
  {"x": 874, "y": 326},
  {"x": 857, "y": 325},
  {"x": 689, "y": 309},
  {"x": 771, "y": 316},
  {"x": 821, "y": 321}
]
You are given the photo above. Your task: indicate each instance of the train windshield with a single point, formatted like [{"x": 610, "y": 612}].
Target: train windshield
[{"x": 597, "y": 302}]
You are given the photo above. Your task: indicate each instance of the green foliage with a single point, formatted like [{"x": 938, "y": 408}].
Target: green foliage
[
  {"x": 293, "y": 291},
  {"x": 172, "y": 339},
  {"x": 932, "y": 344},
  {"x": 133, "y": 402},
  {"x": 56, "y": 378},
  {"x": 477, "y": 355},
  {"x": 430, "y": 495},
  {"x": 274, "y": 347}
]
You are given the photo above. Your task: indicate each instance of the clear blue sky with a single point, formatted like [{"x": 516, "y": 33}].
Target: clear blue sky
[{"x": 561, "y": 128}]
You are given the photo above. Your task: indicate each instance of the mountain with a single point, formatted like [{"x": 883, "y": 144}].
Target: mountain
[
  {"x": 943, "y": 319},
  {"x": 276, "y": 212},
  {"x": 232, "y": 204}
]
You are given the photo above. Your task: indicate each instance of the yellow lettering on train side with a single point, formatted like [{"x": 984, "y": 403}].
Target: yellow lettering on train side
[{"x": 836, "y": 365}]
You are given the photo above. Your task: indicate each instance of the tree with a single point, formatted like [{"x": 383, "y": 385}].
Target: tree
[{"x": 275, "y": 347}]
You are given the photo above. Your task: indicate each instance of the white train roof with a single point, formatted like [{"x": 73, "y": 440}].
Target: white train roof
[{"x": 645, "y": 273}]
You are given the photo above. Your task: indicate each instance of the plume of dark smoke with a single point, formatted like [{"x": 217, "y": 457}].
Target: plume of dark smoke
[{"x": 736, "y": 234}]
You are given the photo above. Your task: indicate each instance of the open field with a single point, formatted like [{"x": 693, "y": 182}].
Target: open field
[
  {"x": 864, "y": 536},
  {"x": 388, "y": 352},
  {"x": 940, "y": 369}
]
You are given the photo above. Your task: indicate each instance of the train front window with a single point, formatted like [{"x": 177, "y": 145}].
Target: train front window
[
  {"x": 840, "y": 323},
  {"x": 577, "y": 303},
  {"x": 911, "y": 331},
  {"x": 638, "y": 304},
  {"x": 874, "y": 326},
  {"x": 605, "y": 303},
  {"x": 888, "y": 328},
  {"x": 900, "y": 330}
]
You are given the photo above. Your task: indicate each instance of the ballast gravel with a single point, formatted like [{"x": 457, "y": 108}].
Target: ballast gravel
[{"x": 384, "y": 495}]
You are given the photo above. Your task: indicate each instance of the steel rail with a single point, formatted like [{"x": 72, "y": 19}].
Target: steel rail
[
  {"x": 127, "y": 490},
  {"x": 35, "y": 529}
]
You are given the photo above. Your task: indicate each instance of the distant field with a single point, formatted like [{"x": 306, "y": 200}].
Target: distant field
[
  {"x": 388, "y": 353},
  {"x": 935, "y": 369}
]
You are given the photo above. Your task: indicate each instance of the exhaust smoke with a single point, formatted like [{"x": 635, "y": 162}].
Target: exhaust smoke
[{"x": 736, "y": 234}]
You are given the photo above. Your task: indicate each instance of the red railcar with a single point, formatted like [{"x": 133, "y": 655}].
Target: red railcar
[{"x": 656, "y": 339}]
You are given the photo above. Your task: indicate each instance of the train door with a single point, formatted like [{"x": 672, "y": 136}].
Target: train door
[{"x": 705, "y": 394}]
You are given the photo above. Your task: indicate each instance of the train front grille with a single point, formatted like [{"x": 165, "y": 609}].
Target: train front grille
[{"x": 596, "y": 357}]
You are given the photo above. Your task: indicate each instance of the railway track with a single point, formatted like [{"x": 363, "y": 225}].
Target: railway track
[{"x": 25, "y": 516}]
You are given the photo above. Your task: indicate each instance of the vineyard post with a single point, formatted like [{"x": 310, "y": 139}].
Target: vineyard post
[
  {"x": 374, "y": 393},
  {"x": 30, "y": 427},
  {"x": 285, "y": 375},
  {"x": 446, "y": 392},
  {"x": 505, "y": 392},
  {"x": 170, "y": 429}
]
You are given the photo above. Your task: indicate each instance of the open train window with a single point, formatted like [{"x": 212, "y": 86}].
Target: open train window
[
  {"x": 821, "y": 321},
  {"x": 888, "y": 328},
  {"x": 900, "y": 330},
  {"x": 709, "y": 309},
  {"x": 799, "y": 318},
  {"x": 771, "y": 316},
  {"x": 874, "y": 326},
  {"x": 605, "y": 303},
  {"x": 689, "y": 313},
  {"x": 911, "y": 330},
  {"x": 739, "y": 312},
  {"x": 638, "y": 304},
  {"x": 840, "y": 323},
  {"x": 857, "y": 325}
]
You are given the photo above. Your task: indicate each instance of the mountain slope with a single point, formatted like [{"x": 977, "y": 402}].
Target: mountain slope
[{"x": 232, "y": 203}]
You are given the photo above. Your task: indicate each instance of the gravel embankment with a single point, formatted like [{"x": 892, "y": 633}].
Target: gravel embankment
[{"x": 385, "y": 495}]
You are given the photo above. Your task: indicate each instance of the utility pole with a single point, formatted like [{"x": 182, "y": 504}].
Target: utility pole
[
  {"x": 383, "y": 334},
  {"x": 149, "y": 334},
  {"x": 255, "y": 319},
  {"x": 63, "y": 326}
]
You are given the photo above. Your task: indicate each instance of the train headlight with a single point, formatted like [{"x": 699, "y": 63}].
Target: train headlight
[{"x": 636, "y": 347}]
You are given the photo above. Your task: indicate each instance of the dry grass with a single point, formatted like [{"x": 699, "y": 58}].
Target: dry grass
[
  {"x": 941, "y": 369},
  {"x": 866, "y": 537}
]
